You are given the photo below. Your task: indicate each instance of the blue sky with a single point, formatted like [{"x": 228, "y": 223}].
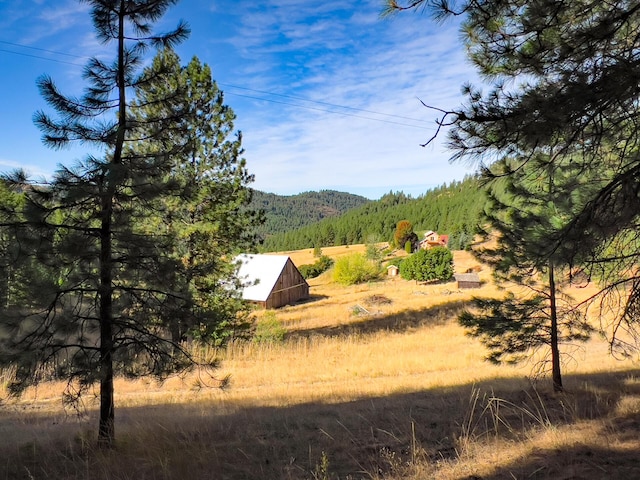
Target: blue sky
[{"x": 327, "y": 94}]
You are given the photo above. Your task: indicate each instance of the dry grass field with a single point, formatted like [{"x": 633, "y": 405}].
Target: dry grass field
[{"x": 374, "y": 381}]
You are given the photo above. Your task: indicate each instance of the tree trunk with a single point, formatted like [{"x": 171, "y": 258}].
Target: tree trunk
[
  {"x": 106, "y": 426},
  {"x": 4, "y": 286},
  {"x": 106, "y": 431},
  {"x": 555, "y": 351}
]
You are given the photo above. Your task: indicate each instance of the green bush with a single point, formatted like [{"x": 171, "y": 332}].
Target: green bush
[
  {"x": 434, "y": 264},
  {"x": 408, "y": 246},
  {"x": 323, "y": 264},
  {"x": 269, "y": 329},
  {"x": 372, "y": 252},
  {"x": 355, "y": 268}
]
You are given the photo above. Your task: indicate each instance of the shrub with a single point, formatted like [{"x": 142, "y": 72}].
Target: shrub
[
  {"x": 269, "y": 329},
  {"x": 323, "y": 264},
  {"x": 355, "y": 268},
  {"x": 408, "y": 246},
  {"x": 428, "y": 265}
]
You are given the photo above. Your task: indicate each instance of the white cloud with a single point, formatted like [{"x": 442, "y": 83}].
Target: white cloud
[
  {"x": 389, "y": 70},
  {"x": 30, "y": 169},
  {"x": 334, "y": 52}
]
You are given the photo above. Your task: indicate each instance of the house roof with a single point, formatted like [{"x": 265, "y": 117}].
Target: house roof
[
  {"x": 467, "y": 277},
  {"x": 259, "y": 273}
]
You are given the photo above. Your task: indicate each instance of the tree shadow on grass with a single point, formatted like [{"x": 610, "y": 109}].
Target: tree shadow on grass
[
  {"x": 312, "y": 298},
  {"x": 360, "y": 439},
  {"x": 402, "y": 321},
  {"x": 580, "y": 462}
]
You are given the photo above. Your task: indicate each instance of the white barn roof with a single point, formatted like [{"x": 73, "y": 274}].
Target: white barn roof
[{"x": 261, "y": 270}]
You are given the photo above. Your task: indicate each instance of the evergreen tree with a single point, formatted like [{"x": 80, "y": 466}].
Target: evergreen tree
[
  {"x": 209, "y": 220},
  {"x": 111, "y": 281},
  {"x": 372, "y": 252},
  {"x": 564, "y": 80},
  {"x": 525, "y": 211}
]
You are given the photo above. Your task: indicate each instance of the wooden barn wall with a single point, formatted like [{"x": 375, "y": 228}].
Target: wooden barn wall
[{"x": 289, "y": 288}]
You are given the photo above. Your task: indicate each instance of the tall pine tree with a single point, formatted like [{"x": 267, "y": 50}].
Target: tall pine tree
[
  {"x": 210, "y": 219},
  {"x": 529, "y": 202},
  {"x": 564, "y": 79},
  {"x": 112, "y": 284}
]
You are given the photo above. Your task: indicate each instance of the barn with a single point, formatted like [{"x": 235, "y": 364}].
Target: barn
[
  {"x": 468, "y": 280},
  {"x": 271, "y": 281}
]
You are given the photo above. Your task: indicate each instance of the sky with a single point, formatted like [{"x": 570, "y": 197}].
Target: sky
[{"x": 327, "y": 95}]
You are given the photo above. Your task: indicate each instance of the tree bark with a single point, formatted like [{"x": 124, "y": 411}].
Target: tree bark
[{"x": 555, "y": 350}]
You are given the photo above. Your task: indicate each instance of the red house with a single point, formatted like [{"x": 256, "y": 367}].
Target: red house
[{"x": 433, "y": 239}]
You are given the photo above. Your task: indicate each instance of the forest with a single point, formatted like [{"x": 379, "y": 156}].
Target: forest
[
  {"x": 455, "y": 209},
  {"x": 283, "y": 213}
]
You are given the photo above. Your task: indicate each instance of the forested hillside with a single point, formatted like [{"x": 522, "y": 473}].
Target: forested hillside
[
  {"x": 453, "y": 209},
  {"x": 284, "y": 213}
]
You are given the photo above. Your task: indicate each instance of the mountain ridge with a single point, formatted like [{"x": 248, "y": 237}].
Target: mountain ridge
[
  {"x": 288, "y": 212},
  {"x": 454, "y": 209}
]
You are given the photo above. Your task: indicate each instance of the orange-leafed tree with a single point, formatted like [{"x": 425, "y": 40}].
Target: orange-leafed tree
[{"x": 404, "y": 232}]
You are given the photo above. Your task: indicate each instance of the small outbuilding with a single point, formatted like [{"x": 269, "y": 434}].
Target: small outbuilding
[
  {"x": 393, "y": 270},
  {"x": 271, "y": 281},
  {"x": 467, "y": 280}
]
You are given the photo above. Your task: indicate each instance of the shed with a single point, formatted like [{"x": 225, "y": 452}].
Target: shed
[
  {"x": 393, "y": 270},
  {"x": 271, "y": 280},
  {"x": 467, "y": 280}
]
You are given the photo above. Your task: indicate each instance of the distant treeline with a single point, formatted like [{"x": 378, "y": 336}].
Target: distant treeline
[
  {"x": 454, "y": 209},
  {"x": 285, "y": 213}
]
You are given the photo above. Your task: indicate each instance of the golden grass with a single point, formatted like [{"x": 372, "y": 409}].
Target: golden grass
[
  {"x": 399, "y": 392},
  {"x": 305, "y": 257}
]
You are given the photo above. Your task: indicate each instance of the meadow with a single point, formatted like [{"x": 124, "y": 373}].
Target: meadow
[{"x": 373, "y": 381}]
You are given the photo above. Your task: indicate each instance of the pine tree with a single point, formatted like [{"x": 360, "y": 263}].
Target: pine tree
[
  {"x": 564, "y": 79},
  {"x": 110, "y": 284},
  {"x": 210, "y": 220},
  {"x": 526, "y": 209}
]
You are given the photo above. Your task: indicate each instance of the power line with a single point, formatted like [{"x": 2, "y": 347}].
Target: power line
[
  {"x": 55, "y": 60},
  {"x": 322, "y": 103},
  {"x": 345, "y": 114},
  {"x": 40, "y": 49},
  {"x": 41, "y": 58}
]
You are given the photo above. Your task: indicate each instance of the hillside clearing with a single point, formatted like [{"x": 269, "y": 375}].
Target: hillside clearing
[{"x": 399, "y": 392}]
